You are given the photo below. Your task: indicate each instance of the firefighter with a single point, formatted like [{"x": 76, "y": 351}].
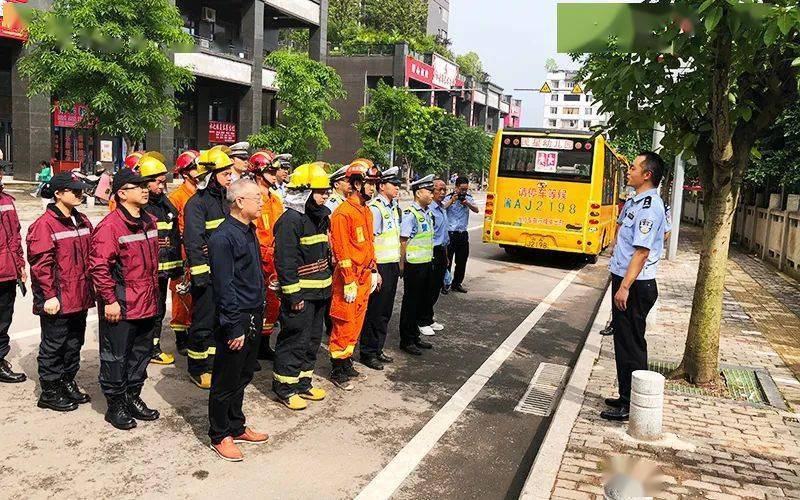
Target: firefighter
[
  {"x": 416, "y": 266},
  {"x": 340, "y": 189},
  {"x": 386, "y": 218},
  {"x": 123, "y": 265},
  {"x": 263, "y": 168},
  {"x": 186, "y": 168},
  {"x": 304, "y": 274},
  {"x": 58, "y": 253},
  {"x": 12, "y": 272},
  {"x": 170, "y": 259},
  {"x": 204, "y": 212},
  {"x": 356, "y": 274}
]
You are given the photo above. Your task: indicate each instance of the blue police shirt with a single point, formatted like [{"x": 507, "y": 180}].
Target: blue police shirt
[
  {"x": 408, "y": 227},
  {"x": 457, "y": 213},
  {"x": 439, "y": 216},
  {"x": 642, "y": 223},
  {"x": 377, "y": 217}
]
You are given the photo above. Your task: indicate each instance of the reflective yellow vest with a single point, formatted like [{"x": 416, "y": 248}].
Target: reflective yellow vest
[
  {"x": 387, "y": 244},
  {"x": 419, "y": 249}
]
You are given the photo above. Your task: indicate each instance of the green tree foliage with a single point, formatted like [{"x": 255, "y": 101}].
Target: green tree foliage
[
  {"x": 550, "y": 65},
  {"x": 404, "y": 17},
  {"x": 110, "y": 55},
  {"x": 307, "y": 88},
  {"x": 720, "y": 90},
  {"x": 470, "y": 65},
  {"x": 776, "y": 161},
  {"x": 473, "y": 151},
  {"x": 343, "y": 19},
  {"x": 295, "y": 39}
]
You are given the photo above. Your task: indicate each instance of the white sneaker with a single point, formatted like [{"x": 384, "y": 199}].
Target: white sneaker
[
  {"x": 426, "y": 330},
  {"x": 437, "y": 327}
]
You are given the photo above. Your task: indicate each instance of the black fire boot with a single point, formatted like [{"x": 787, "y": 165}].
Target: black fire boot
[
  {"x": 71, "y": 391},
  {"x": 138, "y": 409},
  {"x": 118, "y": 414},
  {"x": 53, "y": 397}
]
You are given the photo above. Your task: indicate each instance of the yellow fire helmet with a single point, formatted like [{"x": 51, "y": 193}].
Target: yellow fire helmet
[
  {"x": 213, "y": 160},
  {"x": 310, "y": 176},
  {"x": 151, "y": 164}
]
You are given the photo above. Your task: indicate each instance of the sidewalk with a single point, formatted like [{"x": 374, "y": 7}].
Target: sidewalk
[{"x": 726, "y": 448}]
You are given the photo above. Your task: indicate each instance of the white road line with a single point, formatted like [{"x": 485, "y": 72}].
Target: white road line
[{"x": 397, "y": 470}]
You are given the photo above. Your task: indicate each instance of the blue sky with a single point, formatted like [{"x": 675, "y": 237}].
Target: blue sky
[{"x": 513, "y": 39}]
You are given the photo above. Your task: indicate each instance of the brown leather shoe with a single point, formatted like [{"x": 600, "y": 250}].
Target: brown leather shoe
[
  {"x": 227, "y": 450},
  {"x": 251, "y": 436}
]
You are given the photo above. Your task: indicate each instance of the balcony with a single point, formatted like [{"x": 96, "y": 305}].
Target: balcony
[
  {"x": 304, "y": 10},
  {"x": 234, "y": 49}
]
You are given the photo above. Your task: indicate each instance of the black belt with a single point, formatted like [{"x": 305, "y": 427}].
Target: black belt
[{"x": 464, "y": 231}]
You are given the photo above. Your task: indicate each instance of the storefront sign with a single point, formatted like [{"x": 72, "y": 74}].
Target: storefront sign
[
  {"x": 106, "y": 151},
  {"x": 221, "y": 132},
  {"x": 11, "y": 25},
  {"x": 68, "y": 118},
  {"x": 418, "y": 70},
  {"x": 445, "y": 73}
]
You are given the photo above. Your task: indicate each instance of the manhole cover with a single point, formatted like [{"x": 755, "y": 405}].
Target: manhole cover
[{"x": 544, "y": 390}]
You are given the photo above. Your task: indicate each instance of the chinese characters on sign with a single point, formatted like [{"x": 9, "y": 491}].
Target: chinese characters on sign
[
  {"x": 418, "y": 70},
  {"x": 547, "y": 143},
  {"x": 69, "y": 118},
  {"x": 445, "y": 73},
  {"x": 221, "y": 132}
]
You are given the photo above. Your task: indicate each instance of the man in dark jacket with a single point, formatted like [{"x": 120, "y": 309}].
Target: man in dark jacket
[
  {"x": 235, "y": 259},
  {"x": 12, "y": 268},
  {"x": 58, "y": 252},
  {"x": 204, "y": 212},
  {"x": 123, "y": 264},
  {"x": 304, "y": 274},
  {"x": 170, "y": 260}
]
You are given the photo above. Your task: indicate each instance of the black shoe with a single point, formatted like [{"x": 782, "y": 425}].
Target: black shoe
[
  {"x": 138, "y": 409},
  {"x": 459, "y": 289},
  {"x": 383, "y": 358},
  {"x": 53, "y": 397},
  {"x": 339, "y": 377},
  {"x": 118, "y": 414},
  {"x": 615, "y": 402},
  {"x": 609, "y": 330},
  {"x": 349, "y": 369},
  {"x": 423, "y": 345},
  {"x": 264, "y": 349},
  {"x": 371, "y": 362},
  {"x": 71, "y": 391},
  {"x": 411, "y": 349},
  {"x": 445, "y": 291},
  {"x": 8, "y": 376},
  {"x": 620, "y": 414}
]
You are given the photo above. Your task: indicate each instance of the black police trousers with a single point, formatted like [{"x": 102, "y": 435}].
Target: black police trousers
[
  {"x": 297, "y": 346},
  {"x": 459, "y": 253},
  {"x": 163, "y": 289},
  {"x": 630, "y": 346},
  {"x": 201, "y": 332},
  {"x": 60, "y": 348},
  {"x": 379, "y": 311},
  {"x": 125, "y": 349},
  {"x": 233, "y": 370},
  {"x": 416, "y": 279},
  {"x": 439, "y": 267},
  {"x": 8, "y": 293}
]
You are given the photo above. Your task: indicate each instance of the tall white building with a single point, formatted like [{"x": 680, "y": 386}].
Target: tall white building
[{"x": 565, "y": 110}]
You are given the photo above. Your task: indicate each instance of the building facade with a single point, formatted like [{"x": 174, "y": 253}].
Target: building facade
[
  {"x": 233, "y": 95},
  {"x": 564, "y": 109},
  {"x": 438, "y": 18}
]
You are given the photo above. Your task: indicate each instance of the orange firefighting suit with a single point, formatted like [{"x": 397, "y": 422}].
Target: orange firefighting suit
[
  {"x": 181, "y": 304},
  {"x": 352, "y": 244},
  {"x": 270, "y": 211}
]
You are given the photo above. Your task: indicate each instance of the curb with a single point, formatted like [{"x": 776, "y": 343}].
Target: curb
[{"x": 542, "y": 476}]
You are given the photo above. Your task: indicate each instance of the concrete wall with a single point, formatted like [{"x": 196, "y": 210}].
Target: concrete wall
[{"x": 772, "y": 233}]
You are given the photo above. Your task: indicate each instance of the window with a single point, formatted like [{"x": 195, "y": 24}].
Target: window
[
  {"x": 569, "y": 84},
  {"x": 554, "y": 110},
  {"x": 571, "y": 123},
  {"x": 571, "y": 111},
  {"x": 570, "y": 165},
  {"x": 611, "y": 167},
  {"x": 553, "y": 97},
  {"x": 444, "y": 14},
  {"x": 572, "y": 97},
  {"x": 587, "y": 124},
  {"x": 551, "y": 123},
  {"x": 589, "y": 98},
  {"x": 587, "y": 111}
]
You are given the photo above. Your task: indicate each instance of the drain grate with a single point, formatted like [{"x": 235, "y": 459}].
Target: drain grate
[
  {"x": 544, "y": 390},
  {"x": 741, "y": 384}
]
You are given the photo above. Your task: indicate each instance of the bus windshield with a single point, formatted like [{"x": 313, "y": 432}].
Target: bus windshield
[{"x": 545, "y": 158}]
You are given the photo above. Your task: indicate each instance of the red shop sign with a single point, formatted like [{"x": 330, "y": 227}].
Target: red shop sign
[
  {"x": 68, "y": 118},
  {"x": 221, "y": 132},
  {"x": 419, "y": 71},
  {"x": 11, "y": 26}
]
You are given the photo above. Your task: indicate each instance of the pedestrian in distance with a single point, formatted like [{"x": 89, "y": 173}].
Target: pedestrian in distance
[
  {"x": 284, "y": 166},
  {"x": 386, "y": 218},
  {"x": 416, "y": 257},
  {"x": 235, "y": 260},
  {"x": 441, "y": 239},
  {"x": 634, "y": 263},
  {"x": 58, "y": 253},
  {"x": 304, "y": 275},
  {"x": 459, "y": 204},
  {"x": 123, "y": 265},
  {"x": 12, "y": 275}
]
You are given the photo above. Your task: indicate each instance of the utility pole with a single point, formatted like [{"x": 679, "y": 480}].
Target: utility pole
[{"x": 677, "y": 206}]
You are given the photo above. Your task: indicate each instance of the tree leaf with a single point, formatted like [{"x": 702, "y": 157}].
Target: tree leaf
[
  {"x": 712, "y": 18},
  {"x": 796, "y": 62},
  {"x": 755, "y": 153},
  {"x": 771, "y": 34},
  {"x": 747, "y": 113},
  {"x": 785, "y": 23},
  {"x": 705, "y": 5}
]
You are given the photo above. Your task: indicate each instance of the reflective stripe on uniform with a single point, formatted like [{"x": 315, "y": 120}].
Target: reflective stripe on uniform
[
  {"x": 211, "y": 351},
  {"x": 6, "y": 208},
  {"x": 178, "y": 328},
  {"x": 420, "y": 248},
  {"x": 202, "y": 268},
  {"x": 293, "y": 288},
  {"x": 197, "y": 355},
  {"x": 306, "y": 374},
  {"x": 166, "y": 266},
  {"x": 156, "y": 340},
  {"x": 345, "y": 263},
  {"x": 65, "y": 235},
  {"x": 284, "y": 379},
  {"x": 296, "y": 287},
  {"x": 164, "y": 225},
  {"x": 313, "y": 240},
  {"x": 213, "y": 224},
  {"x": 387, "y": 244},
  {"x": 129, "y": 238},
  {"x": 347, "y": 352}
]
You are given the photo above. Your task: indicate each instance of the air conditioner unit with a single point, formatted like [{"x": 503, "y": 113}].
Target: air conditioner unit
[{"x": 209, "y": 15}]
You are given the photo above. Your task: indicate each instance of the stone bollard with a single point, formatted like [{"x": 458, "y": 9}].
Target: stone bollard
[{"x": 647, "y": 405}]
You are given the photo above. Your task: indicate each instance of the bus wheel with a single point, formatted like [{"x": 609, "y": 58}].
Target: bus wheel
[{"x": 590, "y": 258}]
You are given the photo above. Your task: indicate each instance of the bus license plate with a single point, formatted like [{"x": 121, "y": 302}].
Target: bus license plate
[{"x": 537, "y": 242}]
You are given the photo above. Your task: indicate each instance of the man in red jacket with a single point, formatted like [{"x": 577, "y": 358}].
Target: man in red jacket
[
  {"x": 123, "y": 264},
  {"x": 12, "y": 268},
  {"x": 58, "y": 252}
]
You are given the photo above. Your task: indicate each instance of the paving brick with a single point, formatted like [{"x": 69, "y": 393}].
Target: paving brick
[
  {"x": 579, "y": 495},
  {"x": 720, "y": 481},
  {"x": 700, "y": 485}
]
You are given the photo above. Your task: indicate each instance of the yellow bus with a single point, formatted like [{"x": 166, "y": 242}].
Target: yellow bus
[{"x": 552, "y": 190}]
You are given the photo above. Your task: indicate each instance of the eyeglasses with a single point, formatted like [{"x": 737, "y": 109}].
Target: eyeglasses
[
  {"x": 143, "y": 187},
  {"x": 249, "y": 198}
]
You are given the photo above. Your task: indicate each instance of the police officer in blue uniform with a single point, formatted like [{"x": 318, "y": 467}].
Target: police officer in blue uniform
[{"x": 640, "y": 243}]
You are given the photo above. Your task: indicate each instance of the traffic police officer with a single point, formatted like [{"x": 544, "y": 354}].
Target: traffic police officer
[
  {"x": 416, "y": 255},
  {"x": 340, "y": 189},
  {"x": 441, "y": 238},
  {"x": 386, "y": 228},
  {"x": 640, "y": 242}
]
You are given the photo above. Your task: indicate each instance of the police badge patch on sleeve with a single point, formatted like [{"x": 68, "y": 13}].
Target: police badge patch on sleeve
[{"x": 645, "y": 225}]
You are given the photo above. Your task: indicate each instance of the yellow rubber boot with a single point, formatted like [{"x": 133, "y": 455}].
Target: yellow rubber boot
[
  {"x": 313, "y": 394},
  {"x": 163, "y": 358},
  {"x": 203, "y": 381},
  {"x": 294, "y": 402}
]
